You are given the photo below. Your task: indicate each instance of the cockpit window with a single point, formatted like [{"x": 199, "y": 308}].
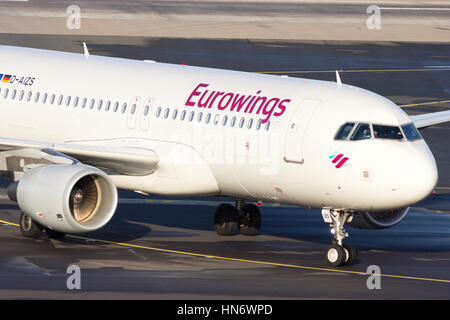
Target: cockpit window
[
  {"x": 387, "y": 132},
  {"x": 411, "y": 132},
  {"x": 362, "y": 131},
  {"x": 344, "y": 131}
]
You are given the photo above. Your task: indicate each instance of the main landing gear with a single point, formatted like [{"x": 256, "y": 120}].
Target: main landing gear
[
  {"x": 32, "y": 229},
  {"x": 245, "y": 217},
  {"x": 29, "y": 227},
  {"x": 338, "y": 254}
]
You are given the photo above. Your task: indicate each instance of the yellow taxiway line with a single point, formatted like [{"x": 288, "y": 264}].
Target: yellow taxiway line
[
  {"x": 276, "y": 264},
  {"x": 354, "y": 70},
  {"x": 369, "y": 70},
  {"x": 423, "y": 103}
]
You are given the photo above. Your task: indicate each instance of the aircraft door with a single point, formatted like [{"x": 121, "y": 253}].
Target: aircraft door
[
  {"x": 148, "y": 106},
  {"x": 133, "y": 112},
  {"x": 296, "y": 130}
]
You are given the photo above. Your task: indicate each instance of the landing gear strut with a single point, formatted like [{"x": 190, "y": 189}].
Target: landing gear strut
[
  {"x": 229, "y": 218},
  {"x": 338, "y": 254}
]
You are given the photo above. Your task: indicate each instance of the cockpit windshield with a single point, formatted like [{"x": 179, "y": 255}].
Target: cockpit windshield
[
  {"x": 387, "y": 132},
  {"x": 411, "y": 132},
  {"x": 344, "y": 131},
  {"x": 359, "y": 131}
]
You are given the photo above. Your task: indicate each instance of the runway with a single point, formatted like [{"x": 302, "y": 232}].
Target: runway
[
  {"x": 160, "y": 248},
  {"x": 400, "y": 20}
]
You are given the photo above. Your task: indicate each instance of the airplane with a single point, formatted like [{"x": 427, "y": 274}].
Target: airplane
[{"x": 77, "y": 127}]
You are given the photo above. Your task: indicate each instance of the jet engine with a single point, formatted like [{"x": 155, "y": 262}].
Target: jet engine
[
  {"x": 72, "y": 198},
  {"x": 378, "y": 220}
]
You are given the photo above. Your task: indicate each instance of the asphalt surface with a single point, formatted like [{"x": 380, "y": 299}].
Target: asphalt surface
[
  {"x": 361, "y": 20},
  {"x": 160, "y": 248}
]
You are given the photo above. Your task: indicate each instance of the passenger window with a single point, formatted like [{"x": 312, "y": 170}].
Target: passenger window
[
  {"x": 241, "y": 122},
  {"x": 92, "y": 104},
  {"x": 36, "y": 97},
  {"x": 6, "y": 94},
  {"x": 183, "y": 115},
  {"x": 224, "y": 121},
  {"x": 258, "y": 124},
  {"x": 124, "y": 107},
  {"x": 250, "y": 123},
  {"x": 116, "y": 106},
  {"x": 191, "y": 116},
  {"x": 13, "y": 94},
  {"x": 233, "y": 121},
  {"x": 108, "y": 105},
  {"x": 28, "y": 96},
  {"x": 133, "y": 108},
  {"x": 344, "y": 131},
  {"x": 60, "y": 99},
  {"x": 267, "y": 126},
  {"x": 158, "y": 112},
  {"x": 52, "y": 99},
  {"x": 362, "y": 131},
  {"x": 99, "y": 105},
  {"x": 146, "y": 110},
  {"x": 44, "y": 98},
  {"x": 216, "y": 119},
  {"x": 174, "y": 115},
  {"x": 199, "y": 117},
  {"x": 166, "y": 113},
  {"x": 68, "y": 101},
  {"x": 22, "y": 93},
  {"x": 75, "y": 102},
  {"x": 208, "y": 118},
  {"x": 411, "y": 132},
  {"x": 387, "y": 132}
]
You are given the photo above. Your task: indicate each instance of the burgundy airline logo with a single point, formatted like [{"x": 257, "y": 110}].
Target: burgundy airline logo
[
  {"x": 204, "y": 97},
  {"x": 338, "y": 158}
]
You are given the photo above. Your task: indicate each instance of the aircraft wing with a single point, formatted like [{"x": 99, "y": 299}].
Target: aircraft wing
[
  {"x": 429, "y": 119},
  {"x": 124, "y": 160}
]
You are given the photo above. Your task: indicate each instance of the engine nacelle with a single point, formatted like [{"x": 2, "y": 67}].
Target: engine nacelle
[
  {"x": 67, "y": 198},
  {"x": 378, "y": 220}
]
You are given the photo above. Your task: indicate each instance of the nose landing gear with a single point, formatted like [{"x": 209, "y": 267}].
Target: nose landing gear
[{"x": 338, "y": 254}]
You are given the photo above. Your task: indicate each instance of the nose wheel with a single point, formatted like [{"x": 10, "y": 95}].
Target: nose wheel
[{"x": 338, "y": 254}]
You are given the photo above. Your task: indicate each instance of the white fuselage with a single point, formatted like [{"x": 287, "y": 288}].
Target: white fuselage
[{"x": 274, "y": 144}]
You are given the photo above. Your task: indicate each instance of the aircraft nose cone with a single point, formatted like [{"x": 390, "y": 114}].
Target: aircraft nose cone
[{"x": 422, "y": 176}]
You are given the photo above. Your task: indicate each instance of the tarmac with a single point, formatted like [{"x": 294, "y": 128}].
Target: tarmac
[
  {"x": 166, "y": 248},
  {"x": 401, "y": 20}
]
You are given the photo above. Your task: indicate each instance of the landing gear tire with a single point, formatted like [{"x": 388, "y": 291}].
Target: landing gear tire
[
  {"x": 52, "y": 234},
  {"x": 350, "y": 254},
  {"x": 250, "y": 220},
  {"x": 29, "y": 228},
  {"x": 335, "y": 255},
  {"x": 226, "y": 220}
]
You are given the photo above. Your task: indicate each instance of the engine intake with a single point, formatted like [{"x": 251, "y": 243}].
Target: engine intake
[
  {"x": 67, "y": 198},
  {"x": 378, "y": 220}
]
